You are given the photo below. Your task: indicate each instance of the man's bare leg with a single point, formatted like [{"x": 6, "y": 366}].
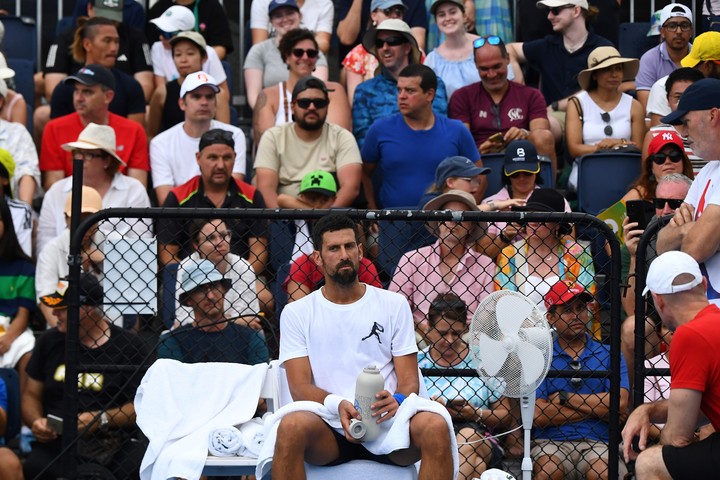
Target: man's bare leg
[
  {"x": 302, "y": 436},
  {"x": 429, "y": 432}
]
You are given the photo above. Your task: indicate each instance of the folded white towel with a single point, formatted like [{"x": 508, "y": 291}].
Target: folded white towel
[
  {"x": 253, "y": 436},
  {"x": 225, "y": 442},
  {"x": 395, "y": 434}
]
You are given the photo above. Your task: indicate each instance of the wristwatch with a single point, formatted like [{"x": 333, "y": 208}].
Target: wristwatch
[
  {"x": 555, "y": 106},
  {"x": 563, "y": 396},
  {"x": 104, "y": 420}
]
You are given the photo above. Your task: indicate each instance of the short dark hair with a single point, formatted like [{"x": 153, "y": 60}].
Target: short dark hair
[
  {"x": 683, "y": 74},
  {"x": 196, "y": 226},
  {"x": 216, "y": 136},
  {"x": 447, "y": 305},
  {"x": 428, "y": 79},
  {"x": 332, "y": 223},
  {"x": 292, "y": 38}
]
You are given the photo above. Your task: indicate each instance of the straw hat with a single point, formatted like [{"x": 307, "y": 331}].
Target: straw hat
[
  {"x": 93, "y": 137},
  {"x": 463, "y": 197},
  {"x": 603, "y": 57},
  {"x": 392, "y": 25}
]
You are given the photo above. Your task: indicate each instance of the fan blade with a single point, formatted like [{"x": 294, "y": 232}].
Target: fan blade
[
  {"x": 512, "y": 311},
  {"x": 532, "y": 360},
  {"x": 492, "y": 354},
  {"x": 540, "y": 337}
]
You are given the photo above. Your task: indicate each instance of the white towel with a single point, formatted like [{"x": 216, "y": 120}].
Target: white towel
[
  {"x": 179, "y": 404},
  {"x": 253, "y": 436},
  {"x": 225, "y": 442},
  {"x": 395, "y": 434}
]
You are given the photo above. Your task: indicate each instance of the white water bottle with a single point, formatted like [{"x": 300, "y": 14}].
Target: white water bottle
[{"x": 368, "y": 384}]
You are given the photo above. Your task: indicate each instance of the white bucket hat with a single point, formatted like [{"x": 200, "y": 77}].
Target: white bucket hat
[{"x": 93, "y": 137}]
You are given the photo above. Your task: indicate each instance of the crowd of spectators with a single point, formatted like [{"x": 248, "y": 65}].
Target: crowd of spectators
[{"x": 425, "y": 91}]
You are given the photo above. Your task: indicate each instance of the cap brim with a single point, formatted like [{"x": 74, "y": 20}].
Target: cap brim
[
  {"x": 69, "y": 147},
  {"x": 529, "y": 167},
  {"x": 6, "y": 73},
  {"x": 551, "y": 3},
  {"x": 479, "y": 171},
  {"x": 565, "y": 298},
  {"x": 226, "y": 282},
  {"x": 690, "y": 61},
  {"x": 674, "y": 118},
  {"x": 323, "y": 191},
  {"x": 54, "y": 300}
]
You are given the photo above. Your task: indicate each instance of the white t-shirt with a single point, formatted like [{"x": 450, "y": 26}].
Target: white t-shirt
[
  {"x": 124, "y": 192},
  {"x": 341, "y": 340},
  {"x": 164, "y": 66},
  {"x": 172, "y": 154},
  {"x": 240, "y": 300},
  {"x": 705, "y": 190},
  {"x": 23, "y": 220},
  {"x": 52, "y": 264},
  {"x": 657, "y": 101},
  {"x": 317, "y": 15}
]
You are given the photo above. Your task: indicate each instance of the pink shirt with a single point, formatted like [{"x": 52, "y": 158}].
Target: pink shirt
[{"x": 418, "y": 278}]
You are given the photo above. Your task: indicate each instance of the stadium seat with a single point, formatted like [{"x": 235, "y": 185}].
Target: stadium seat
[
  {"x": 20, "y": 38},
  {"x": 633, "y": 40},
  {"x": 12, "y": 383},
  {"x": 604, "y": 178},
  {"x": 24, "y": 71}
]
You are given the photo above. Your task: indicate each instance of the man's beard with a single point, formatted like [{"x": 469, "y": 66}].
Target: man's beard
[
  {"x": 311, "y": 126},
  {"x": 345, "y": 278}
]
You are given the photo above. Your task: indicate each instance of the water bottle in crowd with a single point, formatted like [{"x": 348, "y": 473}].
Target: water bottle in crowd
[{"x": 369, "y": 383}]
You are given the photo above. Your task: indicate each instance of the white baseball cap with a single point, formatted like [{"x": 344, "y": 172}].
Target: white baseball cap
[
  {"x": 197, "y": 80},
  {"x": 665, "y": 269},
  {"x": 675, "y": 10},
  {"x": 175, "y": 19}
]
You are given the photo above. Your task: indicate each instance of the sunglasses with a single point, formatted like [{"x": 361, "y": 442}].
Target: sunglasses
[
  {"x": 168, "y": 35},
  {"x": 608, "y": 130},
  {"x": 218, "y": 134},
  {"x": 556, "y": 10},
  {"x": 318, "y": 102},
  {"x": 671, "y": 202},
  {"x": 310, "y": 52},
  {"x": 489, "y": 39},
  {"x": 392, "y": 41},
  {"x": 674, "y": 156},
  {"x": 396, "y": 11}
]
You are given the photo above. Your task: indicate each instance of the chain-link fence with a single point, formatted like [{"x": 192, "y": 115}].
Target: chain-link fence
[{"x": 213, "y": 284}]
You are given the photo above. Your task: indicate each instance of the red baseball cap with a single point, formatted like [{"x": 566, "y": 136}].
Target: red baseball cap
[
  {"x": 665, "y": 138},
  {"x": 563, "y": 292}
]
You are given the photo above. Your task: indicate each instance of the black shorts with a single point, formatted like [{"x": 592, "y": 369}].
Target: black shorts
[
  {"x": 697, "y": 460},
  {"x": 356, "y": 451}
]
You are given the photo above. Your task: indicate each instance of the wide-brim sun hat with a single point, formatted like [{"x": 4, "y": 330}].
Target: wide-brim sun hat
[
  {"x": 604, "y": 57},
  {"x": 94, "y": 137},
  {"x": 455, "y": 196},
  {"x": 391, "y": 25}
]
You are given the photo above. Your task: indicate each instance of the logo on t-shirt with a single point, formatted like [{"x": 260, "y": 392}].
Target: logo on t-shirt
[
  {"x": 376, "y": 330},
  {"x": 515, "y": 114}
]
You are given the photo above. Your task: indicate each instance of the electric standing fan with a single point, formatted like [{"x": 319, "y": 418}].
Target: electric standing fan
[{"x": 510, "y": 340}]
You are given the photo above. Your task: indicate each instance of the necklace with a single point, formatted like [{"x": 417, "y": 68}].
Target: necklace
[{"x": 572, "y": 48}]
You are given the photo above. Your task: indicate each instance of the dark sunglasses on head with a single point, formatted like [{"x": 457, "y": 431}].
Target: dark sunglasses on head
[
  {"x": 397, "y": 11},
  {"x": 605, "y": 116},
  {"x": 674, "y": 156},
  {"x": 660, "y": 203},
  {"x": 490, "y": 40},
  {"x": 392, "y": 41},
  {"x": 310, "y": 52},
  {"x": 556, "y": 10},
  {"x": 318, "y": 102},
  {"x": 168, "y": 35},
  {"x": 218, "y": 134}
]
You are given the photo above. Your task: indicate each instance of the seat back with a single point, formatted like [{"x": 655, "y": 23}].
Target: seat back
[
  {"x": 24, "y": 85},
  {"x": 619, "y": 169},
  {"x": 12, "y": 384},
  {"x": 167, "y": 294},
  {"x": 493, "y": 161},
  {"x": 20, "y": 38},
  {"x": 396, "y": 237},
  {"x": 633, "y": 40}
]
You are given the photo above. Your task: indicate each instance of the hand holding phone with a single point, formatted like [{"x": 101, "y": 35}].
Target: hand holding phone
[
  {"x": 55, "y": 423},
  {"x": 639, "y": 211},
  {"x": 497, "y": 138}
]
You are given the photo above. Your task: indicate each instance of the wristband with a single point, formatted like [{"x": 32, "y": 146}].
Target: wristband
[
  {"x": 332, "y": 402},
  {"x": 399, "y": 397},
  {"x": 503, "y": 238},
  {"x": 563, "y": 397},
  {"x": 493, "y": 207}
]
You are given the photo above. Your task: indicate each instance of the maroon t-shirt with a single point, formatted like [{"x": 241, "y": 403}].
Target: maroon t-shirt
[{"x": 473, "y": 105}]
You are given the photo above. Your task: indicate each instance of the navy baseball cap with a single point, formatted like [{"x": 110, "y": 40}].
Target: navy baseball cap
[
  {"x": 457, "y": 167},
  {"x": 521, "y": 156},
  {"x": 275, "y": 4},
  {"x": 701, "y": 95},
  {"x": 91, "y": 75}
]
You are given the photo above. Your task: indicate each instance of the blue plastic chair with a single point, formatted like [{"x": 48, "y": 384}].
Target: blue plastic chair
[
  {"x": 169, "y": 279},
  {"x": 12, "y": 383},
  {"x": 397, "y": 237},
  {"x": 604, "y": 178},
  {"x": 633, "y": 40},
  {"x": 20, "y": 38},
  {"x": 24, "y": 85}
]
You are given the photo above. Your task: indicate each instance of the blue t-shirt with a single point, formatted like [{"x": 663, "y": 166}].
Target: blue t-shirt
[
  {"x": 596, "y": 356},
  {"x": 3, "y": 396},
  {"x": 558, "y": 68},
  {"x": 407, "y": 158},
  {"x": 472, "y": 389}
]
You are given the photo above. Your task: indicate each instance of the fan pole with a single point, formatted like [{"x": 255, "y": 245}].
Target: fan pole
[{"x": 527, "y": 412}]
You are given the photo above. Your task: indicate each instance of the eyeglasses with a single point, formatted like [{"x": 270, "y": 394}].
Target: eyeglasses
[
  {"x": 392, "y": 41},
  {"x": 310, "y": 52},
  {"x": 472, "y": 181},
  {"x": 85, "y": 155},
  {"x": 318, "y": 102},
  {"x": 168, "y": 35},
  {"x": 396, "y": 11},
  {"x": 605, "y": 116},
  {"x": 673, "y": 26},
  {"x": 674, "y": 156},
  {"x": 671, "y": 202},
  {"x": 489, "y": 39},
  {"x": 556, "y": 10}
]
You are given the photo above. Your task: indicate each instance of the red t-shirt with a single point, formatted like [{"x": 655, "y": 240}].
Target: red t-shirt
[
  {"x": 695, "y": 360},
  {"x": 304, "y": 271},
  {"x": 130, "y": 139},
  {"x": 473, "y": 105}
]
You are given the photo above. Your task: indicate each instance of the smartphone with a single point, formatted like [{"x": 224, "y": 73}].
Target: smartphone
[
  {"x": 497, "y": 138},
  {"x": 55, "y": 423},
  {"x": 640, "y": 211}
]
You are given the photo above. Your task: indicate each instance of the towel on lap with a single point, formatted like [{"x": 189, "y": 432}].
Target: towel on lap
[
  {"x": 395, "y": 434},
  {"x": 179, "y": 404}
]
